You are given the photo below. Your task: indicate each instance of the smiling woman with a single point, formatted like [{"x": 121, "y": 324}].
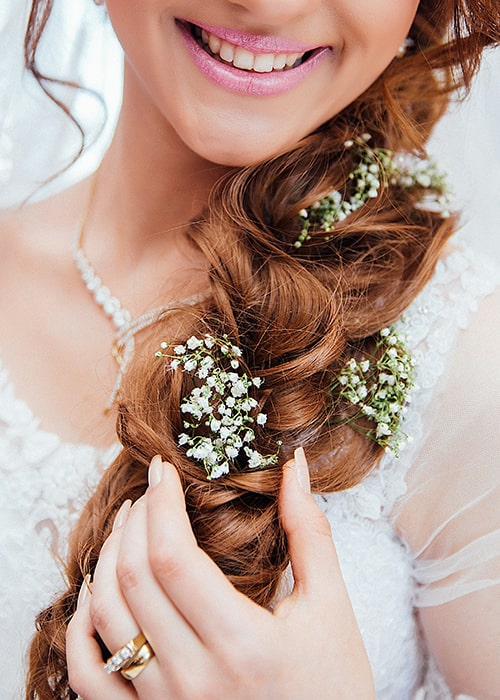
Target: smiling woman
[
  {"x": 216, "y": 107},
  {"x": 258, "y": 266}
]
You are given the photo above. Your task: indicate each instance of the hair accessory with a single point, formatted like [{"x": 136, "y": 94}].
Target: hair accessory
[
  {"x": 379, "y": 386},
  {"x": 128, "y": 654},
  {"x": 377, "y": 169},
  {"x": 222, "y": 411}
]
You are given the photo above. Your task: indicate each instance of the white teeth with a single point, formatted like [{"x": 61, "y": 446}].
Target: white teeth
[
  {"x": 264, "y": 63},
  {"x": 226, "y": 52},
  {"x": 246, "y": 60},
  {"x": 280, "y": 61},
  {"x": 214, "y": 43},
  {"x": 292, "y": 58},
  {"x": 243, "y": 59}
]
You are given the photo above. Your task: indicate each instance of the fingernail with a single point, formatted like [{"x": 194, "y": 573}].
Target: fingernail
[
  {"x": 122, "y": 515},
  {"x": 84, "y": 591},
  {"x": 302, "y": 470},
  {"x": 155, "y": 473}
]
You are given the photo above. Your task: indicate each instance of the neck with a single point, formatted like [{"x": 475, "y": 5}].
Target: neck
[
  {"x": 147, "y": 189},
  {"x": 149, "y": 184}
]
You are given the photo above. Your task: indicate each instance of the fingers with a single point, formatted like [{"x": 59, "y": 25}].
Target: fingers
[
  {"x": 84, "y": 658},
  {"x": 173, "y": 639},
  {"x": 109, "y": 612},
  {"x": 127, "y": 600},
  {"x": 194, "y": 583},
  {"x": 312, "y": 552}
]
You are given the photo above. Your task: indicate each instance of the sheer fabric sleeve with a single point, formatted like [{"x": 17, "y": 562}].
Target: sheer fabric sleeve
[{"x": 450, "y": 515}]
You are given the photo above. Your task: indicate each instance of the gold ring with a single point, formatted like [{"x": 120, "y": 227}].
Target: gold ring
[
  {"x": 138, "y": 662},
  {"x": 125, "y": 654}
]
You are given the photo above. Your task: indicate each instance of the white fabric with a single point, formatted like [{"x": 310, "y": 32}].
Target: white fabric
[{"x": 46, "y": 481}]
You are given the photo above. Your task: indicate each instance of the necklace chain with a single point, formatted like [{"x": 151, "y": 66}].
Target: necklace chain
[
  {"x": 126, "y": 327},
  {"x": 111, "y": 306}
]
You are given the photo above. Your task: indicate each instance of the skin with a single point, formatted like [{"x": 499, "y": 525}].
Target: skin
[{"x": 177, "y": 134}]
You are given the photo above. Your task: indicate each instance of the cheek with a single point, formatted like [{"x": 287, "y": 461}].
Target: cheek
[{"x": 377, "y": 27}]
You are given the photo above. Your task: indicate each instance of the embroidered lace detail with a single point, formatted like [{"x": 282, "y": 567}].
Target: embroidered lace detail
[{"x": 45, "y": 483}]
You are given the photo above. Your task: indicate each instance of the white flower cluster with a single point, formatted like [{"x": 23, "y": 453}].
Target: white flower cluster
[
  {"x": 221, "y": 410},
  {"x": 378, "y": 168},
  {"x": 379, "y": 387}
]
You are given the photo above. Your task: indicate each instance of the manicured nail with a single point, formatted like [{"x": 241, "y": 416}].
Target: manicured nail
[
  {"x": 84, "y": 591},
  {"x": 155, "y": 473},
  {"x": 122, "y": 515},
  {"x": 302, "y": 470}
]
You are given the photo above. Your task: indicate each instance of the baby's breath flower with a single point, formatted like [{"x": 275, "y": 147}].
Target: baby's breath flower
[
  {"x": 379, "y": 388},
  {"x": 377, "y": 169},
  {"x": 219, "y": 424}
]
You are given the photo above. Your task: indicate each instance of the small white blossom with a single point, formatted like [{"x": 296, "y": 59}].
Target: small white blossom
[
  {"x": 214, "y": 425},
  {"x": 193, "y": 342},
  {"x": 379, "y": 388},
  {"x": 383, "y": 429},
  {"x": 221, "y": 404},
  {"x": 238, "y": 389}
]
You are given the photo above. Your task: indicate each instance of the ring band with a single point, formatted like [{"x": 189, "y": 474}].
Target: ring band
[
  {"x": 125, "y": 654},
  {"x": 138, "y": 662}
]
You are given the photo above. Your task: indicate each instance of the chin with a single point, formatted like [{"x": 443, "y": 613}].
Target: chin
[{"x": 241, "y": 149}]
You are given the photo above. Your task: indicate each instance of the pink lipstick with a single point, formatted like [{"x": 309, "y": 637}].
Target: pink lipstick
[{"x": 264, "y": 65}]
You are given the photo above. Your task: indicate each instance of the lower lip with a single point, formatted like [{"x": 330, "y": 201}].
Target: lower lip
[{"x": 250, "y": 82}]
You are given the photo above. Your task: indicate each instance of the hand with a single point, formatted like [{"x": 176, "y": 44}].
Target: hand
[{"x": 211, "y": 641}]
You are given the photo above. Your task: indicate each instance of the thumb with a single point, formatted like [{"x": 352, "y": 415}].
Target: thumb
[{"x": 310, "y": 544}]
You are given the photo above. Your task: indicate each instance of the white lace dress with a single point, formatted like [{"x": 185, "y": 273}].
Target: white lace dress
[{"x": 401, "y": 548}]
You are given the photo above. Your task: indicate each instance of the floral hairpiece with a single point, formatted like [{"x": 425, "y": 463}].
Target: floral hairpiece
[
  {"x": 377, "y": 169},
  {"x": 379, "y": 387},
  {"x": 222, "y": 411}
]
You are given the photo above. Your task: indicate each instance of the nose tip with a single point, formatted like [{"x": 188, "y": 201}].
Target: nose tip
[{"x": 276, "y": 12}]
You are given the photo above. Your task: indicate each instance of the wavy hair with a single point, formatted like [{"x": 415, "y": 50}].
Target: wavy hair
[{"x": 297, "y": 314}]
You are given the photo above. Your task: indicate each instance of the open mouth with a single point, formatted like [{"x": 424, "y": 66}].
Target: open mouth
[{"x": 241, "y": 58}]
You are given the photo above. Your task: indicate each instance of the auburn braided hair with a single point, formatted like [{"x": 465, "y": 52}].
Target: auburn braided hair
[{"x": 297, "y": 314}]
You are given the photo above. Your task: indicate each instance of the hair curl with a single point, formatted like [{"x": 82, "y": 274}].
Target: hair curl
[{"x": 296, "y": 314}]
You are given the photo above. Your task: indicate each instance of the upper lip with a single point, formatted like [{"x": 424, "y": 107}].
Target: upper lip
[{"x": 256, "y": 43}]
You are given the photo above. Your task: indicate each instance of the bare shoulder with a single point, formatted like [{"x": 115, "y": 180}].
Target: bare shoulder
[{"x": 40, "y": 231}]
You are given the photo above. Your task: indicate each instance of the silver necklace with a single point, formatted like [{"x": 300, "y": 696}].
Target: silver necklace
[{"x": 126, "y": 327}]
